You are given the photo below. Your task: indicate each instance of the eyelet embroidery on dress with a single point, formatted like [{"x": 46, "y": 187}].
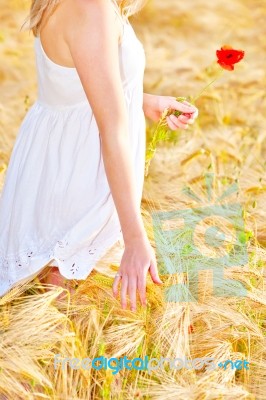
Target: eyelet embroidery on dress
[
  {"x": 91, "y": 251},
  {"x": 62, "y": 244},
  {"x": 18, "y": 263},
  {"x": 74, "y": 268},
  {"x": 23, "y": 259}
]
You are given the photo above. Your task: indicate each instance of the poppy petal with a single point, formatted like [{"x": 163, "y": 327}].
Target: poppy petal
[{"x": 229, "y": 67}]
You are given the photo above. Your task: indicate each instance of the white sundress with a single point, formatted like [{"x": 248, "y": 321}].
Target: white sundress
[{"x": 56, "y": 207}]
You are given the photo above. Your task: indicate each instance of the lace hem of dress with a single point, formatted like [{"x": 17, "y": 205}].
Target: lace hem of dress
[{"x": 29, "y": 263}]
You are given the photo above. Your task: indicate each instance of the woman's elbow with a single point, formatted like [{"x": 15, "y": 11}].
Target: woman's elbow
[{"x": 113, "y": 127}]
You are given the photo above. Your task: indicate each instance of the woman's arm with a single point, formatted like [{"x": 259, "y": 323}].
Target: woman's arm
[
  {"x": 92, "y": 38},
  {"x": 94, "y": 47}
]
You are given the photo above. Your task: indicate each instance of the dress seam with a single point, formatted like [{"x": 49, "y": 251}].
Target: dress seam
[{"x": 61, "y": 107}]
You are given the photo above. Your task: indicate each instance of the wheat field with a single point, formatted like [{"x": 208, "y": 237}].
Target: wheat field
[{"x": 226, "y": 146}]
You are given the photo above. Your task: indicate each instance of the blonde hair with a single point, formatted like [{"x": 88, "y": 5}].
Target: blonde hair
[{"x": 38, "y": 7}]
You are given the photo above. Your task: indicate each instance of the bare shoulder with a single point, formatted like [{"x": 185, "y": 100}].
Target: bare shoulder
[{"x": 96, "y": 12}]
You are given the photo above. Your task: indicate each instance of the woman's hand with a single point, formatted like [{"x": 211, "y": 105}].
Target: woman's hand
[
  {"x": 138, "y": 258},
  {"x": 154, "y": 105}
]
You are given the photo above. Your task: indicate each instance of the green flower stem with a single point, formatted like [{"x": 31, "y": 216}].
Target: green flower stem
[{"x": 206, "y": 87}]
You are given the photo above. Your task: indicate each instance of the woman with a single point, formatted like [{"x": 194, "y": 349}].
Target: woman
[{"x": 74, "y": 181}]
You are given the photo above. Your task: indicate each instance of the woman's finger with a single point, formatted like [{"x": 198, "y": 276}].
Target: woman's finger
[
  {"x": 132, "y": 288},
  {"x": 187, "y": 119},
  {"x": 195, "y": 112},
  {"x": 186, "y": 102},
  {"x": 171, "y": 124},
  {"x": 124, "y": 291},
  {"x": 184, "y": 118},
  {"x": 141, "y": 283},
  {"x": 176, "y": 123},
  {"x": 115, "y": 285},
  {"x": 178, "y": 120},
  {"x": 186, "y": 108},
  {"x": 154, "y": 271}
]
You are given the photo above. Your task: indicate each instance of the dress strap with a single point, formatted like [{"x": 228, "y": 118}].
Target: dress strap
[
  {"x": 120, "y": 16},
  {"x": 118, "y": 12}
]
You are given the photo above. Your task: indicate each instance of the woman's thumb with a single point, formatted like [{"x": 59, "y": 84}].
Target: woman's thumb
[
  {"x": 184, "y": 107},
  {"x": 154, "y": 272}
]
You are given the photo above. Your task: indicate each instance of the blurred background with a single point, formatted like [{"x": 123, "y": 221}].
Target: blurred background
[{"x": 229, "y": 141}]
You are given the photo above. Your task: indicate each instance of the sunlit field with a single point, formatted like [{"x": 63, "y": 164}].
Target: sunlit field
[{"x": 218, "y": 162}]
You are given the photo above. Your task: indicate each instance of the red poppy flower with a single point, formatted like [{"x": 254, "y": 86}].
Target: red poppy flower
[{"x": 228, "y": 56}]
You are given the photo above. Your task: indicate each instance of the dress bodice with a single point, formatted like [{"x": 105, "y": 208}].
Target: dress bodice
[{"x": 60, "y": 86}]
